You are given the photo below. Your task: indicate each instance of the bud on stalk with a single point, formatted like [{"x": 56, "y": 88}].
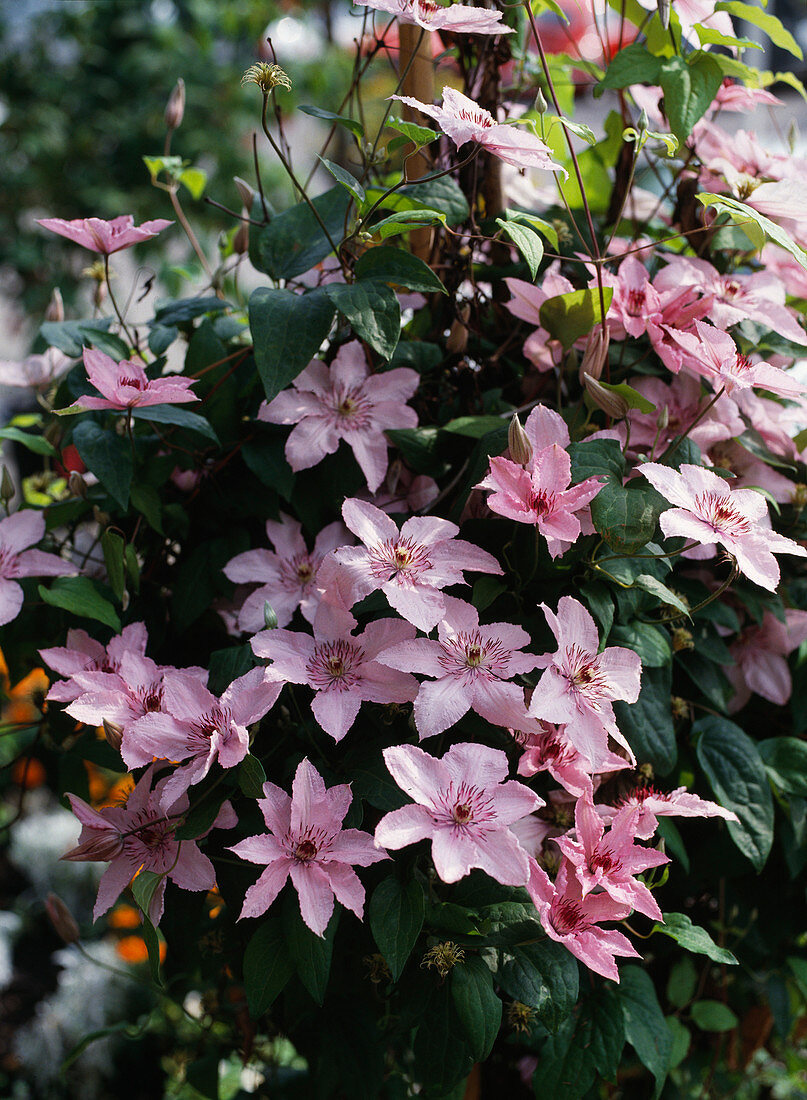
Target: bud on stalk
[
  {"x": 664, "y": 12},
  {"x": 7, "y": 489},
  {"x": 612, "y": 404},
  {"x": 175, "y": 108},
  {"x": 113, "y": 733},
  {"x": 101, "y": 848},
  {"x": 55, "y": 310},
  {"x": 269, "y": 616},
  {"x": 241, "y": 236},
  {"x": 540, "y": 104},
  {"x": 518, "y": 442},
  {"x": 596, "y": 353},
  {"x": 245, "y": 192},
  {"x": 77, "y": 485},
  {"x": 63, "y": 921}
]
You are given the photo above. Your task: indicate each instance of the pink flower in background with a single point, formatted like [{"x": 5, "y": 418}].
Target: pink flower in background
[
  {"x": 464, "y": 805},
  {"x": 305, "y": 840},
  {"x": 340, "y": 667},
  {"x": 194, "y": 725},
  {"x": 580, "y": 684},
  {"x": 574, "y": 920},
  {"x": 35, "y": 372},
  {"x": 125, "y": 385},
  {"x": 139, "y": 836},
  {"x": 683, "y": 400},
  {"x": 462, "y": 120},
  {"x": 83, "y": 654},
  {"x": 551, "y": 749},
  {"x": 526, "y": 302},
  {"x": 749, "y": 471},
  {"x": 709, "y": 512},
  {"x": 646, "y": 805},
  {"x": 410, "y": 566},
  {"x": 711, "y": 353},
  {"x": 404, "y": 491},
  {"x": 760, "y": 653},
  {"x": 609, "y": 861},
  {"x": 287, "y": 576},
  {"x": 457, "y": 18},
  {"x": 472, "y": 665},
  {"x": 105, "y": 237},
  {"x": 18, "y": 533},
  {"x": 344, "y": 401}
]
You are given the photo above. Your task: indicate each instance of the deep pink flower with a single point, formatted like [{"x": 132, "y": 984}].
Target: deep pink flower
[
  {"x": 464, "y": 806},
  {"x": 344, "y": 401},
  {"x": 287, "y": 576},
  {"x": 17, "y": 533},
  {"x": 580, "y": 684},
  {"x": 709, "y": 511},
  {"x": 410, "y": 566},
  {"x": 646, "y": 805},
  {"x": 125, "y": 385},
  {"x": 83, "y": 654},
  {"x": 463, "y": 120},
  {"x": 712, "y": 354},
  {"x": 760, "y": 653},
  {"x": 551, "y": 749},
  {"x": 305, "y": 840},
  {"x": 574, "y": 920},
  {"x": 457, "y": 18},
  {"x": 105, "y": 237},
  {"x": 139, "y": 836},
  {"x": 472, "y": 665},
  {"x": 342, "y": 668}
]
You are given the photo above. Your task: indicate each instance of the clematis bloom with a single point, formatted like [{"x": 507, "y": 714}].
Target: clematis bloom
[
  {"x": 646, "y": 805},
  {"x": 760, "y": 653},
  {"x": 105, "y": 237},
  {"x": 18, "y": 533},
  {"x": 457, "y": 18},
  {"x": 84, "y": 654},
  {"x": 125, "y": 385}
]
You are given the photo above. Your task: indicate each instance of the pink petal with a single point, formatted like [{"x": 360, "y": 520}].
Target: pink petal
[
  {"x": 316, "y": 895},
  {"x": 440, "y": 704},
  {"x": 260, "y": 896},
  {"x": 400, "y": 828},
  {"x": 418, "y": 774}
]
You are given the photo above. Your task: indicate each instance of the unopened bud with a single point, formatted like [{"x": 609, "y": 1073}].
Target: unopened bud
[
  {"x": 55, "y": 310},
  {"x": 77, "y": 485},
  {"x": 792, "y": 136},
  {"x": 103, "y": 847},
  {"x": 800, "y": 495},
  {"x": 612, "y": 404},
  {"x": 175, "y": 108},
  {"x": 113, "y": 733},
  {"x": 241, "y": 237},
  {"x": 269, "y": 616},
  {"x": 643, "y": 125},
  {"x": 664, "y": 12},
  {"x": 539, "y": 105},
  {"x": 246, "y": 193},
  {"x": 663, "y": 419},
  {"x": 518, "y": 442},
  {"x": 596, "y": 353},
  {"x": 124, "y": 600},
  {"x": 63, "y": 921},
  {"x": 7, "y": 489},
  {"x": 99, "y": 295}
]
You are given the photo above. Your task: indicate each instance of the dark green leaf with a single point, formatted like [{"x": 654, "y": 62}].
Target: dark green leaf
[
  {"x": 203, "y": 1075},
  {"x": 713, "y": 1016},
  {"x": 645, "y": 1027},
  {"x": 707, "y": 677},
  {"x": 265, "y": 456},
  {"x": 651, "y": 643},
  {"x": 294, "y": 242},
  {"x": 632, "y": 65},
  {"x": 147, "y": 501},
  {"x": 80, "y": 596},
  {"x": 693, "y": 938},
  {"x": 113, "y": 546},
  {"x": 268, "y": 966},
  {"x": 785, "y": 760},
  {"x": 351, "y": 124},
  {"x": 442, "y": 1059},
  {"x": 626, "y": 515},
  {"x": 174, "y": 414},
  {"x": 681, "y": 1040},
  {"x": 477, "y": 1005},
  {"x": 178, "y": 311},
  {"x": 310, "y": 953},
  {"x": 227, "y": 665},
  {"x": 647, "y": 724},
  {"x": 72, "y": 337},
  {"x": 394, "y": 265},
  {"x": 542, "y": 975},
  {"x": 108, "y": 455},
  {"x": 398, "y": 224},
  {"x": 690, "y": 85},
  {"x": 345, "y": 178},
  {"x": 587, "y": 1045},
  {"x": 287, "y": 331},
  {"x": 419, "y": 135},
  {"x": 373, "y": 312},
  {"x": 567, "y": 317},
  {"x": 444, "y": 195},
  {"x": 597, "y": 457},
  {"x": 395, "y": 915},
  {"x": 251, "y": 776},
  {"x": 527, "y": 242},
  {"x": 682, "y": 982}
]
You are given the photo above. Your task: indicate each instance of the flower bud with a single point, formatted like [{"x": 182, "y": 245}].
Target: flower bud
[
  {"x": 596, "y": 353},
  {"x": 77, "y": 485},
  {"x": 664, "y": 12},
  {"x": 246, "y": 193},
  {"x": 101, "y": 518},
  {"x": 539, "y": 105},
  {"x": 104, "y": 846},
  {"x": 612, "y": 404},
  {"x": 241, "y": 236},
  {"x": 663, "y": 419},
  {"x": 55, "y": 310},
  {"x": 113, "y": 733},
  {"x": 7, "y": 489},
  {"x": 175, "y": 108},
  {"x": 518, "y": 442},
  {"x": 269, "y": 616},
  {"x": 63, "y": 921},
  {"x": 682, "y": 639},
  {"x": 643, "y": 125}
]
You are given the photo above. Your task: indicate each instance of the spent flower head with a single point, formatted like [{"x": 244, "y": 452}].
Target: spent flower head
[{"x": 266, "y": 76}]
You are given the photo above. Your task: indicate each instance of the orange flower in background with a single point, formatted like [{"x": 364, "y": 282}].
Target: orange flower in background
[
  {"x": 124, "y": 916},
  {"x": 132, "y": 949},
  {"x": 25, "y": 702},
  {"x": 107, "y": 788},
  {"x": 28, "y": 772}
]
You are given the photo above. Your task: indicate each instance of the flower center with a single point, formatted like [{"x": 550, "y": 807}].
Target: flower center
[
  {"x": 335, "y": 665},
  {"x": 582, "y": 670},
  {"x": 603, "y": 859},
  {"x": 635, "y": 302},
  {"x": 567, "y": 917},
  {"x": 717, "y": 509},
  {"x": 470, "y": 654},
  {"x": 543, "y": 502},
  {"x": 8, "y": 563},
  {"x": 135, "y": 383},
  {"x": 463, "y": 813},
  {"x": 401, "y": 558},
  {"x": 305, "y": 851},
  {"x": 479, "y": 117},
  {"x": 463, "y": 806}
]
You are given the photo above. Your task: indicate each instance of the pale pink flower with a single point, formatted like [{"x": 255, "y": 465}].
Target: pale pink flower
[
  {"x": 105, "y": 237},
  {"x": 694, "y": 12},
  {"x": 344, "y": 401},
  {"x": 760, "y": 652},
  {"x": 342, "y": 668},
  {"x": 462, "y": 120},
  {"x": 609, "y": 861},
  {"x": 750, "y": 471},
  {"x": 580, "y": 684},
  {"x": 778, "y": 262},
  {"x": 473, "y": 667},
  {"x": 712, "y": 354},
  {"x": 287, "y": 577},
  {"x": 410, "y": 566},
  {"x": 457, "y": 18},
  {"x": 36, "y": 371},
  {"x": 139, "y": 836},
  {"x": 708, "y": 511},
  {"x": 574, "y": 920},
  {"x": 650, "y": 804},
  {"x": 525, "y": 303},
  {"x": 549, "y": 748},
  {"x": 84, "y": 654},
  {"x": 194, "y": 725},
  {"x": 464, "y": 805},
  {"x": 125, "y": 385},
  {"x": 305, "y": 840},
  {"x": 404, "y": 491},
  {"x": 733, "y": 96},
  {"x": 18, "y": 532}
]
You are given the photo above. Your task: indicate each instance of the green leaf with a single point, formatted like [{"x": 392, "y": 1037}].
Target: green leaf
[
  {"x": 710, "y": 37},
  {"x": 657, "y": 588},
  {"x": 251, "y": 776},
  {"x": 647, "y": 724},
  {"x": 474, "y": 427},
  {"x": 373, "y": 312},
  {"x": 632, "y": 65},
  {"x": 689, "y": 88},
  {"x": 179, "y": 311},
  {"x": 351, "y": 124},
  {"x": 268, "y": 966},
  {"x": 36, "y": 443},
  {"x": 546, "y": 229},
  {"x": 227, "y": 665},
  {"x": 195, "y": 179},
  {"x": 397, "y": 224},
  {"x": 72, "y": 336},
  {"x": 310, "y": 953},
  {"x": 108, "y": 455},
  {"x": 632, "y": 398},
  {"x": 713, "y": 1016},
  {"x": 147, "y": 501},
  {"x": 595, "y": 457},
  {"x": 737, "y": 775},
  {"x": 394, "y": 265},
  {"x": 567, "y": 317},
  {"x": 527, "y": 242},
  {"x": 443, "y": 194},
  {"x": 651, "y": 644},
  {"x": 477, "y": 1005},
  {"x": 395, "y": 915},
  {"x": 80, "y": 596},
  {"x": 693, "y": 938},
  {"x": 544, "y": 976},
  {"x": 442, "y": 1058},
  {"x": 588, "y": 1045},
  {"x": 143, "y": 889},
  {"x": 682, "y": 982},
  {"x": 419, "y": 135},
  {"x": 113, "y": 546},
  {"x": 626, "y": 515},
  {"x": 287, "y": 330},
  {"x": 681, "y": 1040},
  {"x": 645, "y": 1027},
  {"x": 345, "y": 178},
  {"x": 739, "y": 213},
  {"x": 293, "y": 242},
  {"x": 179, "y": 417},
  {"x": 785, "y": 760},
  {"x": 773, "y": 27}
]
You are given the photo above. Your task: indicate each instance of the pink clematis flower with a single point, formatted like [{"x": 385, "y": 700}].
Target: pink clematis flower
[
  {"x": 710, "y": 512},
  {"x": 760, "y": 654},
  {"x": 287, "y": 576},
  {"x": 105, "y": 237},
  {"x": 457, "y": 18},
  {"x": 83, "y": 654},
  {"x": 343, "y": 669},
  {"x": 344, "y": 401},
  {"x": 579, "y": 685},
  {"x": 551, "y": 749},
  {"x": 125, "y": 385},
  {"x": 684, "y": 400},
  {"x": 410, "y": 566},
  {"x": 464, "y": 806},
  {"x": 306, "y": 841},
  {"x": 463, "y": 120},
  {"x": 36, "y": 371},
  {"x": 711, "y": 353},
  {"x": 527, "y": 299},
  {"x": 609, "y": 861},
  {"x": 17, "y": 533},
  {"x": 574, "y": 920},
  {"x": 194, "y": 725},
  {"x": 646, "y": 805},
  {"x": 472, "y": 665},
  {"x": 139, "y": 836}
]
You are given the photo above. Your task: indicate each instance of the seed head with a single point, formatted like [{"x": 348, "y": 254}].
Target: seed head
[
  {"x": 443, "y": 957},
  {"x": 266, "y": 76}
]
